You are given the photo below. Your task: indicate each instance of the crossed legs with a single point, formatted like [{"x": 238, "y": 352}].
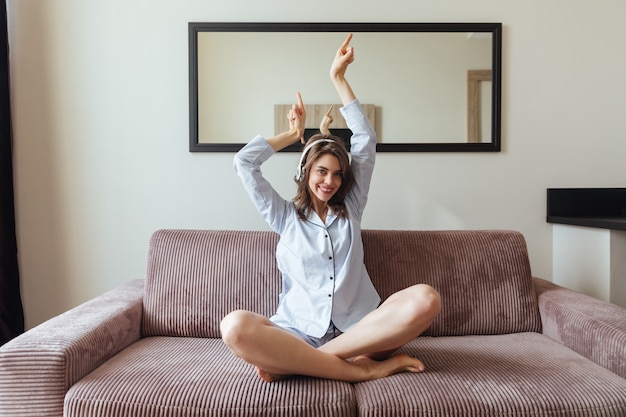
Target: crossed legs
[{"x": 353, "y": 356}]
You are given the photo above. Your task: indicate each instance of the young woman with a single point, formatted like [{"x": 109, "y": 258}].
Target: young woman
[{"x": 329, "y": 322}]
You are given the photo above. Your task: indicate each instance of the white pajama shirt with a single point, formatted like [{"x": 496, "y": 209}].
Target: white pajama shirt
[{"x": 324, "y": 280}]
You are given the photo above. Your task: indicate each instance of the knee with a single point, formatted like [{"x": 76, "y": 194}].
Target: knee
[
  {"x": 235, "y": 327},
  {"x": 432, "y": 299},
  {"x": 424, "y": 302}
]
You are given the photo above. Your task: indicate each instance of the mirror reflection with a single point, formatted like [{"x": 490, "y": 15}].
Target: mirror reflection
[{"x": 434, "y": 89}]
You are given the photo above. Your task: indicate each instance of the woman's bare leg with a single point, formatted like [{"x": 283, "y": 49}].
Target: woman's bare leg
[
  {"x": 277, "y": 353},
  {"x": 402, "y": 317}
]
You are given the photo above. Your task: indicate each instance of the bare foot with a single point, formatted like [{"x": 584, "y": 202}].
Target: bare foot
[
  {"x": 370, "y": 369},
  {"x": 269, "y": 377},
  {"x": 394, "y": 365}
]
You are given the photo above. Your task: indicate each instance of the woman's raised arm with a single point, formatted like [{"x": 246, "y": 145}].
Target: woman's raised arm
[
  {"x": 343, "y": 58},
  {"x": 296, "y": 117}
]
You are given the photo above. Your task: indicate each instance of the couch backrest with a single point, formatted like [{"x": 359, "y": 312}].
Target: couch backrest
[
  {"x": 483, "y": 277},
  {"x": 195, "y": 277}
]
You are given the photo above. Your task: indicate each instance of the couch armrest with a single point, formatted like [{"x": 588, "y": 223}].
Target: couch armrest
[
  {"x": 39, "y": 366},
  {"x": 593, "y": 328}
]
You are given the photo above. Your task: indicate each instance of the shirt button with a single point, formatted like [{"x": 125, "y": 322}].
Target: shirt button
[
  {"x": 331, "y": 278},
  {"x": 330, "y": 257},
  {"x": 329, "y": 295}
]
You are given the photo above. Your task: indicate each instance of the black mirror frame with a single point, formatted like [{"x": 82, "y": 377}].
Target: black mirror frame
[{"x": 494, "y": 28}]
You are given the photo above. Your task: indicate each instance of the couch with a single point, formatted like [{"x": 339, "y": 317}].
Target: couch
[{"x": 504, "y": 344}]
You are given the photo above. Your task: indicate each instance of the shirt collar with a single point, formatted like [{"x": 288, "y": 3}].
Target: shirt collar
[{"x": 314, "y": 218}]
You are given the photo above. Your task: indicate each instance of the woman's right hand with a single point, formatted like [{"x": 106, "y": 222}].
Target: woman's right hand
[{"x": 297, "y": 118}]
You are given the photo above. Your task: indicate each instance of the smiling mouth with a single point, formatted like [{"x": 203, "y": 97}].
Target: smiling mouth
[{"x": 326, "y": 190}]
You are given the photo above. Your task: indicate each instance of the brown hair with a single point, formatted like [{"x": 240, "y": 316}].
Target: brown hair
[{"x": 335, "y": 146}]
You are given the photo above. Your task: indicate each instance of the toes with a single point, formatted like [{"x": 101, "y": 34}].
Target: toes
[
  {"x": 409, "y": 363},
  {"x": 269, "y": 377}
]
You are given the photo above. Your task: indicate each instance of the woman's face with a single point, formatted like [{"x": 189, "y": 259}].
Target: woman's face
[{"x": 325, "y": 178}]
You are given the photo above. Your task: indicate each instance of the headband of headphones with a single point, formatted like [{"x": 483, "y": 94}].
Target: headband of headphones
[{"x": 304, "y": 153}]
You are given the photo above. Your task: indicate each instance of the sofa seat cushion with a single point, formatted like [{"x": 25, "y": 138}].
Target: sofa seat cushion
[
  {"x": 525, "y": 374},
  {"x": 166, "y": 376}
]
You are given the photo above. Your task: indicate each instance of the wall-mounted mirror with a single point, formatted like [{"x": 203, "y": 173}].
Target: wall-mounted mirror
[{"x": 433, "y": 86}]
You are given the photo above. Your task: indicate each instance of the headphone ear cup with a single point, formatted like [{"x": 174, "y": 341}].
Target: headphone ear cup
[
  {"x": 301, "y": 162},
  {"x": 300, "y": 173}
]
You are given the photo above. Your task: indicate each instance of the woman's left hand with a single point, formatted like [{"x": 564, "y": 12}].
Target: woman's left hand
[{"x": 343, "y": 58}]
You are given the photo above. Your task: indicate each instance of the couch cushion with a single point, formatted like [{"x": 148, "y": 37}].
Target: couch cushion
[
  {"x": 483, "y": 277},
  {"x": 195, "y": 277},
  {"x": 174, "y": 376},
  {"x": 524, "y": 374}
]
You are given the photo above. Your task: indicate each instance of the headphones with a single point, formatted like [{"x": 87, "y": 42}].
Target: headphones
[{"x": 301, "y": 164}]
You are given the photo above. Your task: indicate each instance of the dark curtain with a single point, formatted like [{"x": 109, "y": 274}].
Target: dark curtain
[{"x": 11, "y": 313}]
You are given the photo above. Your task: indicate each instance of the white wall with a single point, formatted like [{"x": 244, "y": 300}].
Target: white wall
[
  {"x": 100, "y": 110},
  {"x": 590, "y": 260},
  {"x": 581, "y": 259}
]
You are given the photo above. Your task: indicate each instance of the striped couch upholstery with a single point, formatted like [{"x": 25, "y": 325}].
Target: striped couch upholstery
[{"x": 505, "y": 344}]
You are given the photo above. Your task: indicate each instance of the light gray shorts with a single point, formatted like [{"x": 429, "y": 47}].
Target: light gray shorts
[{"x": 316, "y": 342}]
